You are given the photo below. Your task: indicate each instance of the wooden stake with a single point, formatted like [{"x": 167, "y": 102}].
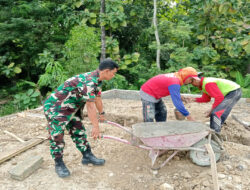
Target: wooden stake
[{"x": 213, "y": 166}]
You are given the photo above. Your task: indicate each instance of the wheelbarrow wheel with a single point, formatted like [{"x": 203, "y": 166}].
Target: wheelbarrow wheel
[{"x": 202, "y": 158}]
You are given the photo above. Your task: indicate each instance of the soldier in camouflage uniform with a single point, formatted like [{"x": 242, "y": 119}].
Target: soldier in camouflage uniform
[{"x": 62, "y": 109}]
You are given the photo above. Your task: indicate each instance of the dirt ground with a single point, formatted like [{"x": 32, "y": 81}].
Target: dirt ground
[{"x": 127, "y": 167}]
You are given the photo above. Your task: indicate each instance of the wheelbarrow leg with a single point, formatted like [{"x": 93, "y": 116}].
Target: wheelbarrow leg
[
  {"x": 153, "y": 154},
  {"x": 166, "y": 161}
]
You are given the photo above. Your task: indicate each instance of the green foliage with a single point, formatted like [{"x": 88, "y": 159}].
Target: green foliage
[
  {"x": 112, "y": 48},
  {"x": 27, "y": 28},
  {"x": 243, "y": 81},
  {"x": 190, "y": 89},
  {"x": 118, "y": 82},
  {"x": 11, "y": 70},
  {"x": 137, "y": 74},
  {"x": 223, "y": 26},
  {"x": 54, "y": 73},
  {"x": 181, "y": 57},
  {"x": 82, "y": 50},
  {"x": 114, "y": 16},
  {"x": 205, "y": 55},
  {"x": 28, "y": 95},
  {"x": 7, "y": 108},
  {"x": 128, "y": 60},
  {"x": 28, "y": 99},
  {"x": 246, "y": 92}
]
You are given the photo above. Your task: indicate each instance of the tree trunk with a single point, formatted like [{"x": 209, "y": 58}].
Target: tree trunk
[
  {"x": 158, "y": 51},
  {"x": 103, "y": 40}
]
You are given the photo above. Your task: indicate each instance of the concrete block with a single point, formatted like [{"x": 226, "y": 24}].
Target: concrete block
[{"x": 25, "y": 168}]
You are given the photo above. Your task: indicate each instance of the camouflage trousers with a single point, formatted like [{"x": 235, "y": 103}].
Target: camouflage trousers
[{"x": 56, "y": 130}]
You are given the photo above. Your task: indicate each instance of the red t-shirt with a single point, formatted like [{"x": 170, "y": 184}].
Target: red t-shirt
[{"x": 158, "y": 85}]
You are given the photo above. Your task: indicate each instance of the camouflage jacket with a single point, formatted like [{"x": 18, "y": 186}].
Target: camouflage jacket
[{"x": 72, "y": 94}]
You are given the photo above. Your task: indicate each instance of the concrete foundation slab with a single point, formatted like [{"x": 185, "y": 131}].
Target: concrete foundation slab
[{"x": 134, "y": 95}]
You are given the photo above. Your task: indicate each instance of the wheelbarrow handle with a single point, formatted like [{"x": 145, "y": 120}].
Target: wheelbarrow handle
[
  {"x": 119, "y": 126},
  {"x": 125, "y": 141}
]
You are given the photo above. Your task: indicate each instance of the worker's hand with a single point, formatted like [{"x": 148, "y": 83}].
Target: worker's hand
[
  {"x": 190, "y": 118},
  {"x": 190, "y": 99},
  {"x": 96, "y": 133},
  {"x": 208, "y": 113},
  {"x": 184, "y": 99}
]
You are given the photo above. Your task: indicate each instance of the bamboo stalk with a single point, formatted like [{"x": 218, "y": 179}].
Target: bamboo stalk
[{"x": 13, "y": 135}]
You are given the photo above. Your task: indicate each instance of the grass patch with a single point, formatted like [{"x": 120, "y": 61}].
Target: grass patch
[
  {"x": 245, "y": 92},
  {"x": 7, "y": 108}
]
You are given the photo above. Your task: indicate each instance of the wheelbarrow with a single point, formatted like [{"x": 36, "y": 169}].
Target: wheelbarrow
[{"x": 159, "y": 137}]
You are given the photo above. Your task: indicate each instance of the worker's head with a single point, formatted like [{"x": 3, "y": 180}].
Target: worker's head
[
  {"x": 186, "y": 73},
  {"x": 195, "y": 80},
  {"x": 108, "y": 69}
]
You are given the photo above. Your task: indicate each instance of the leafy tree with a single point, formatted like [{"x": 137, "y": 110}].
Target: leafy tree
[
  {"x": 221, "y": 26},
  {"x": 82, "y": 50},
  {"x": 27, "y": 28},
  {"x": 54, "y": 73}
]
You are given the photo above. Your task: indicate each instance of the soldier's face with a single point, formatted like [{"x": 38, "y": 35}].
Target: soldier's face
[{"x": 109, "y": 74}]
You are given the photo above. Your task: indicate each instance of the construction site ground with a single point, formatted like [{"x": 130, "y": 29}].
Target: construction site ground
[{"x": 127, "y": 167}]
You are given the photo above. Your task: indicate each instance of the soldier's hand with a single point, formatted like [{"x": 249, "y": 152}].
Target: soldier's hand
[
  {"x": 95, "y": 133},
  {"x": 102, "y": 118}
]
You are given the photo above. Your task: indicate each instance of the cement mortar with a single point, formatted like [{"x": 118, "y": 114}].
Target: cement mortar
[{"x": 156, "y": 129}]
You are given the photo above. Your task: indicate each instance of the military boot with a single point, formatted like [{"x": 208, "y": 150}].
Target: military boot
[
  {"x": 89, "y": 158},
  {"x": 61, "y": 169}
]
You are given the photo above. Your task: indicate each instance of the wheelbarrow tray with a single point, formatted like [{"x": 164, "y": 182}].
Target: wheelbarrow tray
[{"x": 171, "y": 134}]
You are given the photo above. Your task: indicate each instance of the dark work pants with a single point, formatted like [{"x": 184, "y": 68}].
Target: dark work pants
[
  {"x": 153, "y": 111},
  {"x": 221, "y": 112}
]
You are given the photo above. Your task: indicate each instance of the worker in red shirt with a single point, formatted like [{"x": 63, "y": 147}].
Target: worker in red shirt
[
  {"x": 160, "y": 86},
  {"x": 225, "y": 93}
]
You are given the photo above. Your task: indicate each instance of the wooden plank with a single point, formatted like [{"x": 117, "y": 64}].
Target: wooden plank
[{"x": 27, "y": 146}]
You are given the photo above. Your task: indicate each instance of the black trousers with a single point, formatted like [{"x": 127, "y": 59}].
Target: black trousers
[{"x": 221, "y": 112}]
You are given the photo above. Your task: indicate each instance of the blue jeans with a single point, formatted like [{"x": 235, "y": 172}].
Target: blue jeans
[
  {"x": 221, "y": 112},
  {"x": 153, "y": 111}
]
